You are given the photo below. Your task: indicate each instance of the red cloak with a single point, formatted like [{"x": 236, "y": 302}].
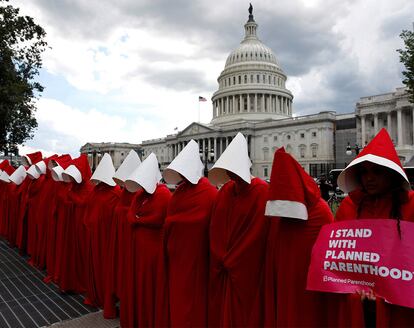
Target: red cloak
[
  {"x": 54, "y": 201},
  {"x": 44, "y": 205},
  {"x": 46, "y": 210},
  {"x": 360, "y": 205},
  {"x": 116, "y": 255},
  {"x": 98, "y": 219},
  {"x": 293, "y": 246},
  {"x": 4, "y": 197},
  {"x": 185, "y": 262},
  {"x": 33, "y": 214},
  {"x": 237, "y": 244},
  {"x": 146, "y": 218},
  {"x": 56, "y": 232},
  {"x": 18, "y": 208},
  {"x": 72, "y": 263}
]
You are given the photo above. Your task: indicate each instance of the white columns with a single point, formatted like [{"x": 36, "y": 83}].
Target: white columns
[
  {"x": 263, "y": 104},
  {"x": 376, "y": 123},
  {"x": 208, "y": 143},
  {"x": 215, "y": 149},
  {"x": 363, "y": 130},
  {"x": 399, "y": 127},
  {"x": 267, "y": 103},
  {"x": 277, "y": 104},
  {"x": 228, "y": 105},
  {"x": 255, "y": 102},
  {"x": 248, "y": 103},
  {"x": 241, "y": 104},
  {"x": 234, "y": 104},
  {"x": 389, "y": 125}
]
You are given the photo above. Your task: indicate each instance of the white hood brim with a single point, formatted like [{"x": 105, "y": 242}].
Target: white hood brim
[
  {"x": 187, "y": 163},
  {"x": 129, "y": 165},
  {"x": 147, "y": 176},
  {"x": 19, "y": 175},
  {"x": 235, "y": 159},
  {"x": 104, "y": 171},
  {"x": 72, "y": 172}
]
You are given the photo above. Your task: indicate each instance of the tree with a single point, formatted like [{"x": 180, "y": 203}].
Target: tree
[
  {"x": 407, "y": 58},
  {"x": 22, "y": 43}
]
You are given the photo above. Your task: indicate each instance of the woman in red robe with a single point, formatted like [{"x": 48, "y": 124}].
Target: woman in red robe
[
  {"x": 72, "y": 263},
  {"x": 29, "y": 191},
  {"x": 118, "y": 236},
  {"x": 98, "y": 219},
  {"x": 185, "y": 261},
  {"x": 6, "y": 190},
  {"x": 296, "y": 213},
  {"x": 46, "y": 205},
  {"x": 18, "y": 208},
  {"x": 378, "y": 189},
  {"x": 34, "y": 212},
  {"x": 237, "y": 239},
  {"x": 53, "y": 214},
  {"x": 146, "y": 218}
]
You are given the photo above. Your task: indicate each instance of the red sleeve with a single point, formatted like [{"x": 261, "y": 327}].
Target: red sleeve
[{"x": 152, "y": 210}]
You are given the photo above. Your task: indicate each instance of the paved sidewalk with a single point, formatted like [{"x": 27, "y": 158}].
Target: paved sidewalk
[
  {"x": 27, "y": 302},
  {"x": 92, "y": 320}
]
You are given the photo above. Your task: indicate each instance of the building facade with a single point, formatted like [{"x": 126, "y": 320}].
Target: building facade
[
  {"x": 392, "y": 111},
  {"x": 252, "y": 98},
  {"x": 117, "y": 151}
]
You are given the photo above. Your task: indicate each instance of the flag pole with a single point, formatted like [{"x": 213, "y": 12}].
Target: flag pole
[{"x": 198, "y": 110}]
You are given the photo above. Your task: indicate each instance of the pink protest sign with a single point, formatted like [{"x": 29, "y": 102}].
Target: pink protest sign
[{"x": 362, "y": 255}]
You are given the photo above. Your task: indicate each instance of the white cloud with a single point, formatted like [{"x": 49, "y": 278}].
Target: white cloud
[{"x": 155, "y": 63}]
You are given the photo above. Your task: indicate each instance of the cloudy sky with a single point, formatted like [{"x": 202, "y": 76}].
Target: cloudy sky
[{"x": 132, "y": 70}]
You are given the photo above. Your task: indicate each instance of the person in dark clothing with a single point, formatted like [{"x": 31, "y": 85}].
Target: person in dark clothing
[{"x": 324, "y": 187}]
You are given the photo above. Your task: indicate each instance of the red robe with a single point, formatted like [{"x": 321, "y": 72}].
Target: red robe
[
  {"x": 33, "y": 215},
  {"x": 54, "y": 228},
  {"x": 287, "y": 302},
  {"x": 4, "y": 208},
  {"x": 116, "y": 255},
  {"x": 22, "y": 196},
  {"x": 146, "y": 218},
  {"x": 98, "y": 219},
  {"x": 45, "y": 220},
  {"x": 72, "y": 263},
  {"x": 387, "y": 315},
  {"x": 237, "y": 245},
  {"x": 185, "y": 262}
]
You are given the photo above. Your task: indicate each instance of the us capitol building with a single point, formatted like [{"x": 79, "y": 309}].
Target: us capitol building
[{"x": 252, "y": 98}]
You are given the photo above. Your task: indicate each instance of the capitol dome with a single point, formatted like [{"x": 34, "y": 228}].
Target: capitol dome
[
  {"x": 251, "y": 50},
  {"x": 252, "y": 84}
]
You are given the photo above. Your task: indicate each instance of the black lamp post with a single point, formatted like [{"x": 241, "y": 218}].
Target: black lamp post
[
  {"x": 349, "y": 149},
  {"x": 208, "y": 157}
]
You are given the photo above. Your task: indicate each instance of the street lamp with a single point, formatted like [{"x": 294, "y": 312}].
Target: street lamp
[
  {"x": 208, "y": 157},
  {"x": 349, "y": 149}
]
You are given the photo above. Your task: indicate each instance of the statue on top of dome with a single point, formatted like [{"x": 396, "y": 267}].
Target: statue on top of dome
[{"x": 251, "y": 9}]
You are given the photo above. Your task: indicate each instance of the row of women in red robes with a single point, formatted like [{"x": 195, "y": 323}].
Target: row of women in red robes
[{"x": 237, "y": 256}]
